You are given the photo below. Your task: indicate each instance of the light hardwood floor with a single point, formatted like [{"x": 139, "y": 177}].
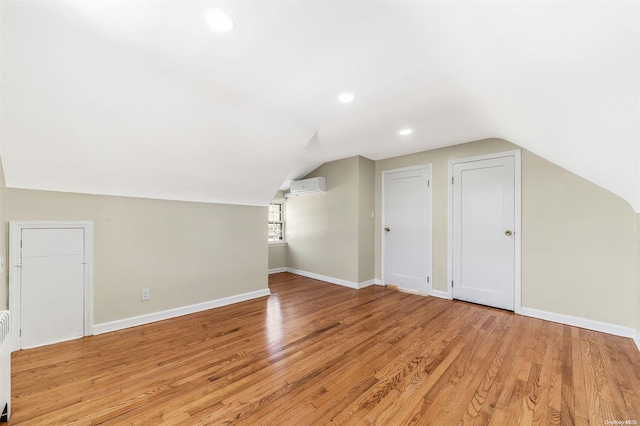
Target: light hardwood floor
[{"x": 316, "y": 353}]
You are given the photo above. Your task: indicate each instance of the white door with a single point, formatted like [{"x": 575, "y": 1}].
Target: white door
[
  {"x": 51, "y": 286},
  {"x": 407, "y": 229},
  {"x": 483, "y": 222}
]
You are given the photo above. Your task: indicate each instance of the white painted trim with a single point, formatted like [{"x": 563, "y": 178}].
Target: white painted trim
[
  {"x": 368, "y": 283},
  {"x": 15, "y": 232},
  {"x": 332, "y": 280},
  {"x": 378, "y": 282},
  {"x": 53, "y": 342},
  {"x": 282, "y": 201},
  {"x": 517, "y": 222},
  {"x": 518, "y": 230},
  {"x": 408, "y": 168},
  {"x": 636, "y": 339},
  {"x": 276, "y": 270},
  {"x": 176, "y": 312},
  {"x": 429, "y": 171},
  {"x": 440, "y": 293},
  {"x": 616, "y": 330},
  {"x": 449, "y": 231}
]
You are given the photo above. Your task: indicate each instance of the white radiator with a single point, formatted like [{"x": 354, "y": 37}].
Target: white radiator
[{"x": 5, "y": 367}]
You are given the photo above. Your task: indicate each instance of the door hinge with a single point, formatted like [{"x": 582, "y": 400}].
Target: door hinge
[
  {"x": 428, "y": 183},
  {"x": 451, "y": 283},
  {"x": 427, "y": 280},
  {"x": 20, "y": 334},
  {"x": 451, "y": 180}
]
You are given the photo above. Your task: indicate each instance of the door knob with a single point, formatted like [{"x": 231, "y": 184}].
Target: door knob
[
  {"x": 387, "y": 229},
  {"x": 508, "y": 233}
]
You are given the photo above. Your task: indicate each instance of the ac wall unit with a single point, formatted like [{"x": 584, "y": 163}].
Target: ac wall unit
[{"x": 307, "y": 186}]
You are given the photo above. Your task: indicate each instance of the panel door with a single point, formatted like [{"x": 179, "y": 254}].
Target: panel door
[
  {"x": 483, "y": 232},
  {"x": 51, "y": 286},
  {"x": 407, "y": 229}
]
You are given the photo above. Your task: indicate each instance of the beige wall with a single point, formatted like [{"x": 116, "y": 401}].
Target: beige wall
[
  {"x": 277, "y": 255},
  {"x": 332, "y": 233},
  {"x": 185, "y": 253},
  {"x": 578, "y": 246},
  {"x": 578, "y": 240},
  {"x": 366, "y": 229},
  {"x": 4, "y": 282},
  {"x": 322, "y": 228}
]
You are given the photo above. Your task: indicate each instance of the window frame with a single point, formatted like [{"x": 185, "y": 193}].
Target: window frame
[{"x": 283, "y": 204}]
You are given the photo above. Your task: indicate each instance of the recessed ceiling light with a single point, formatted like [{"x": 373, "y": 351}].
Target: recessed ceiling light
[
  {"x": 220, "y": 21},
  {"x": 405, "y": 132},
  {"x": 346, "y": 97}
]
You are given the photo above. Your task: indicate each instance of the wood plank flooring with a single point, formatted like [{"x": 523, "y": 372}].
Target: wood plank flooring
[{"x": 316, "y": 353}]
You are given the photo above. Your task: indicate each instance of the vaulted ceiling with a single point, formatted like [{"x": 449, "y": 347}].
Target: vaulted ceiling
[{"x": 142, "y": 98}]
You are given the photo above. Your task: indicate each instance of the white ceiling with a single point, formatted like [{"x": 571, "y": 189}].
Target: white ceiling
[{"x": 141, "y": 98}]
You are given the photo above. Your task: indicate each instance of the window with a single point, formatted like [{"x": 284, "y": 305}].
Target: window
[{"x": 276, "y": 221}]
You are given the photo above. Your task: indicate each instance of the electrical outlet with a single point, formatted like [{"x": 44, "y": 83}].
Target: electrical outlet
[{"x": 144, "y": 294}]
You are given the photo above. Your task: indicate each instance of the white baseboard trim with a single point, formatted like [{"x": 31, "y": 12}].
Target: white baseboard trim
[
  {"x": 368, "y": 283},
  {"x": 106, "y": 327},
  {"x": 616, "y": 330},
  {"x": 604, "y": 327},
  {"x": 439, "y": 293},
  {"x": 276, "y": 270},
  {"x": 332, "y": 280}
]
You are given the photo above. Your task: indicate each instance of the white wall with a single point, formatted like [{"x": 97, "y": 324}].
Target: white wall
[{"x": 4, "y": 284}]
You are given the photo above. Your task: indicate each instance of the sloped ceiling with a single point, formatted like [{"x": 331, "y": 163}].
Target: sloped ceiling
[{"x": 141, "y": 98}]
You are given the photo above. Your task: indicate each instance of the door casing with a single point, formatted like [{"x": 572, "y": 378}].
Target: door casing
[
  {"x": 516, "y": 154},
  {"x": 15, "y": 233}
]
